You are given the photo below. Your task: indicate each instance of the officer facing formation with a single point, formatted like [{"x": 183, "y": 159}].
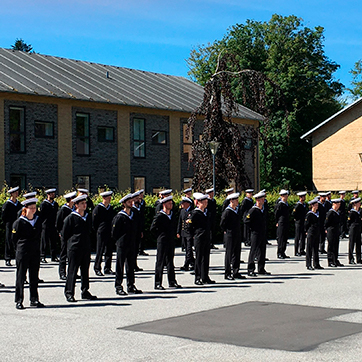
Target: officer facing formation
[{"x": 246, "y": 205}]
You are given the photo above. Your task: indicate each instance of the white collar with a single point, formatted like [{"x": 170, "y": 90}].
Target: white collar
[{"x": 78, "y": 214}]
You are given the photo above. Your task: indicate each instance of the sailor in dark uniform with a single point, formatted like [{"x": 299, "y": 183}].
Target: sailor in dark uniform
[
  {"x": 312, "y": 228},
  {"x": 184, "y": 233},
  {"x": 124, "y": 231},
  {"x": 102, "y": 217},
  {"x": 28, "y": 195},
  {"x": 354, "y": 224},
  {"x": 256, "y": 219},
  {"x": 26, "y": 232},
  {"x": 63, "y": 212},
  {"x": 231, "y": 226},
  {"x": 90, "y": 204},
  {"x": 225, "y": 204},
  {"x": 343, "y": 215},
  {"x": 299, "y": 212},
  {"x": 328, "y": 201},
  {"x": 354, "y": 196},
  {"x": 198, "y": 223},
  {"x": 139, "y": 222},
  {"x": 76, "y": 233},
  {"x": 246, "y": 205},
  {"x": 9, "y": 213},
  {"x": 322, "y": 212},
  {"x": 332, "y": 224},
  {"x": 162, "y": 194},
  {"x": 211, "y": 211},
  {"x": 49, "y": 235},
  {"x": 188, "y": 192},
  {"x": 142, "y": 213},
  {"x": 164, "y": 228},
  {"x": 282, "y": 219}
]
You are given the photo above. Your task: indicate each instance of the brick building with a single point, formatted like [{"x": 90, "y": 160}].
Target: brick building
[
  {"x": 69, "y": 122},
  {"x": 337, "y": 150}
]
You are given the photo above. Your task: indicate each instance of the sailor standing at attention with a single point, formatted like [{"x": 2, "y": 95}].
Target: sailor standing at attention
[
  {"x": 246, "y": 205},
  {"x": 299, "y": 212},
  {"x": 282, "y": 219},
  {"x": 354, "y": 224}
]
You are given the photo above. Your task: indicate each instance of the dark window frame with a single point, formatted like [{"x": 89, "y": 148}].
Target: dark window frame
[
  {"x": 49, "y": 122},
  {"x": 84, "y": 186},
  {"x": 157, "y": 143},
  {"x": 144, "y": 186},
  {"x": 82, "y": 138},
  {"x": 21, "y": 176},
  {"x": 17, "y": 133},
  {"x": 140, "y": 140},
  {"x": 104, "y": 127}
]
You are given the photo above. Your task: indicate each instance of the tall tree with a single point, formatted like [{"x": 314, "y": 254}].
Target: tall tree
[
  {"x": 22, "y": 46},
  {"x": 356, "y": 90},
  {"x": 292, "y": 56}
]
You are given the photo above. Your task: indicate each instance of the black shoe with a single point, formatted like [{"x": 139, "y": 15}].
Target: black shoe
[
  {"x": 99, "y": 273},
  {"x": 192, "y": 267},
  {"x": 87, "y": 295},
  {"x": 297, "y": 254},
  {"x": 70, "y": 299},
  {"x": 318, "y": 267},
  {"x": 143, "y": 253},
  {"x": 338, "y": 263},
  {"x": 184, "y": 268},
  {"x": 19, "y": 306},
  {"x": 310, "y": 268},
  {"x": 109, "y": 272},
  {"x": 2, "y": 285},
  {"x": 239, "y": 276},
  {"x": 159, "y": 287},
  {"x": 229, "y": 277},
  {"x": 264, "y": 272},
  {"x": 286, "y": 256},
  {"x": 8, "y": 263},
  {"x": 198, "y": 282},
  {"x": 322, "y": 251},
  {"x": 252, "y": 274},
  {"x": 214, "y": 247},
  {"x": 40, "y": 281},
  {"x": 267, "y": 243},
  {"x": 208, "y": 281},
  {"x": 266, "y": 259},
  {"x": 133, "y": 290},
  {"x": 43, "y": 260},
  {"x": 37, "y": 304},
  {"x": 359, "y": 261},
  {"x": 303, "y": 253},
  {"x": 78, "y": 277},
  {"x": 332, "y": 265},
  {"x": 120, "y": 291},
  {"x": 138, "y": 269},
  {"x": 242, "y": 261},
  {"x": 55, "y": 259},
  {"x": 175, "y": 285},
  {"x": 63, "y": 277},
  {"x": 280, "y": 256},
  {"x": 352, "y": 262}
]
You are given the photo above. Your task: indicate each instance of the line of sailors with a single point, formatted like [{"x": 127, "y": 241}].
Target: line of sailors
[{"x": 32, "y": 230}]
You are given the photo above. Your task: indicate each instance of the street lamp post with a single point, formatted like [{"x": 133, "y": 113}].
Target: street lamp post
[{"x": 213, "y": 148}]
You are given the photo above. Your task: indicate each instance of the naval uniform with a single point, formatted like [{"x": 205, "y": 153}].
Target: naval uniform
[
  {"x": 102, "y": 224},
  {"x": 211, "y": 211},
  {"x": 139, "y": 223},
  {"x": 342, "y": 214},
  {"x": 49, "y": 236},
  {"x": 26, "y": 238},
  {"x": 354, "y": 225},
  {"x": 322, "y": 231},
  {"x": 332, "y": 224},
  {"x": 124, "y": 233},
  {"x": 282, "y": 218},
  {"x": 63, "y": 212},
  {"x": 299, "y": 212},
  {"x": 256, "y": 219},
  {"x": 199, "y": 226},
  {"x": 141, "y": 247},
  {"x": 231, "y": 226},
  {"x": 186, "y": 237},
  {"x": 76, "y": 233},
  {"x": 9, "y": 215},
  {"x": 246, "y": 205},
  {"x": 312, "y": 228},
  {"x": 164, "y": 228}
]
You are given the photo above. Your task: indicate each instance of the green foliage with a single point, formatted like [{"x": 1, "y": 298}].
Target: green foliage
[
  {"x": 292, "y": 56},
  {"x": 356, "y": 90},
  {"x": 22, "y": 46}
]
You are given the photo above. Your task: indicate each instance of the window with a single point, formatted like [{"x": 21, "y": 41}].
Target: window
[
  {"x": 17, "y": 129},
  {"x": 44, "y": 129},
  {"x": 156, "y": 190},
  {"x": 83, "y": 182},
  {"x": 187, "y": 182},
  {"x": 18, "y": 180},
  {"x": 139, "y": 183},
  {"x": 105, "y": 134},
  {"x": 139, "y": 137},
  {"x": 187, "y": 145},
  {"x": 159, "y": 138},
  {"x": 248, "y": 144},
  {"x": 82, "y": 131}
]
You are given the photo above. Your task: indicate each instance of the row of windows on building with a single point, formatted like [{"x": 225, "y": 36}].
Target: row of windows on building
[{"x": 44, "y": 129}]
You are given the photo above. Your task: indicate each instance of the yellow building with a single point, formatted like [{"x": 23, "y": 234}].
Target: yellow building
[{"x": 337, "y": 150}]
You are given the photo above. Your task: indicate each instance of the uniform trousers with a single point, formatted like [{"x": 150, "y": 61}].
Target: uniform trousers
[
  {"x": 62, "y": 257},
  {"x": 77, "y": 258},
  {"x": 9, "y": 246},
  {"x": 247, "y": 234},
  {"x": 299, "y": 240},
  {"x": 202, "y": 260},
  {"x": 189, "y": 256},
  {"x": 333, "y": 247},
  {"x": 261, "y": 258},
  {"x": 282, "y": 236},
  {"x": 255, "y": 244},
  {"x": 232, "y": 253},
  {"x": 322, "y": 238},
  {"x": 49, "y": 236},
  {"x": 24, "y": 262},
  {"x": 125, "y": 257},
  {"x": 104, "y": 245},
  {"x": 354, "y": 239},
  {"x": 165, "y": 256},
  {"x": 312, "y": 250}
]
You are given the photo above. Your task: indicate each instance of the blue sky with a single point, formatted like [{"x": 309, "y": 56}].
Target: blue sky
[{"x": 158, "y": 35}]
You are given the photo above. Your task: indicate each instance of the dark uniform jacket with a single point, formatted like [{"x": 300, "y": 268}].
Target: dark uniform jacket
[
  {"x": 211, "y": 210},
  {"x": 332, "y": 223},
  {"x": 299, "y": 212},
  {"x": 123, "y": 229},
  {"x": 10, "y": 211},
  {"x": 26, "y": 237},
  {"x": 199, "y": 225},
  {"x": 231, "y": 222},
  {"x": 63, "y": 212},
  {"x": 322, "y": 213},
  {"x": 246, "y": 205},
  {"x": 164, "y": 227},
  {"x": 182, "y": 228},
  {"x": 282, "y": 214},
  {"x": 102, "y": 219},
  {"x": 48, "y": 213},
  {"x": 76, "y": 232},
  {"x": 256, "y": 219},
  {"x": 328, "y": 205},
  {"x": 311, "y": 224},
  {"x": 354, "y": 220}
]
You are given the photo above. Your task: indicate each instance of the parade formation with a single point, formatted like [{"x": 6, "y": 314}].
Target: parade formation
[{"x": 31, "y": 231}]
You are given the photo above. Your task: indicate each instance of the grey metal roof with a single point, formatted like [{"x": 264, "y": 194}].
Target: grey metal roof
[
  {"x": 345, "y": 109},
  {"x": 46, "y": 75}
]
